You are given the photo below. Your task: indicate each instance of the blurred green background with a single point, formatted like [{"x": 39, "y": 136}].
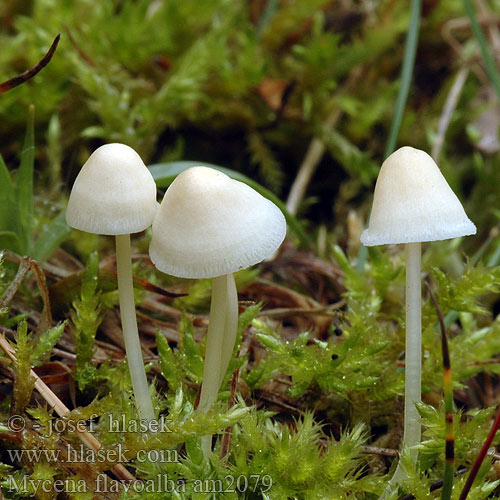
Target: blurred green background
[{"x": 250, "y": 85}]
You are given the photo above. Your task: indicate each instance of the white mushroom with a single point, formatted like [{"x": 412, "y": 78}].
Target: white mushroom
[
  {"x": 115, "y": 194},
  {"x": 413, "y": 203},
  {"x": 209, "y": 226}
]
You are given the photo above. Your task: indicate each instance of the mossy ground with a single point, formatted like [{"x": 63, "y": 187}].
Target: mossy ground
[{"x": 311, "y": 406}]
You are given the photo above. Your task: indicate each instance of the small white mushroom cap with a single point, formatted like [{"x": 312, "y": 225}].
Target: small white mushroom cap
[
  {"x": 414, "y": 203},
  {"x": 209, "y": 225},
  {"x": 114, "y": 193}
]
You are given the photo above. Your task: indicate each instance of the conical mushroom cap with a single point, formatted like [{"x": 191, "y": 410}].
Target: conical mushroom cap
[
  {"x": 414, "y": 203},
  {"x": 114, "y": 193},
  {"x": 209, "y": 225}
]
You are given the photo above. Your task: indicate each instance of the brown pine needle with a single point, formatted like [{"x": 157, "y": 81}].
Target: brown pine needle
[
  {"x": 24, "y": 267},
  {"x": 80, "y": 51},
  {"x": 46, "y": 317},
  {"x": 480, "y": 458},
  {"x": 31, "y": 72},
  {"x": 448, "y": 404}
]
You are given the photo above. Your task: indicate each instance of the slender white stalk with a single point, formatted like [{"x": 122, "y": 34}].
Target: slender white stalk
[
  {"x": 230, "y": 326},
  {"x": 221, "y": 335},
  {"x": 215, "y": 337},
  {"x": 413, "y": 360},
  {"x": 213, "y": 353},
  {"x": 413, "y": 349},
  {"x": 129, "y": 328}
]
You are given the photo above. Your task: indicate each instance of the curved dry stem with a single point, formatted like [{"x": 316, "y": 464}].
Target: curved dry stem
[{"x": 448, "y": 109}]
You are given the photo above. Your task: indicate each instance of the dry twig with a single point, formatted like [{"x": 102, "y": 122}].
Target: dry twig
[
  {"x": 448, "y": 109},
  {"x": 31, "y": 72}
]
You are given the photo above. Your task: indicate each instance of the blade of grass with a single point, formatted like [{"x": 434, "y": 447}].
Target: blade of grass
[
  {"x": 406, "y": 77},
  {"x": 165, "y": 173},
  {"x": 24, "y": 186},
  {"x": 7, "y": 199},
  {"x": 406, "y": 74},
  {"x": 269, "y": 11},
  {"x": 48, "y": 242},
  {"x": 489, "y": 62},
  {"x": 10, "y": 240},
  {"x": 448, "y": 405},
  {"x": 494, "y": 260}
]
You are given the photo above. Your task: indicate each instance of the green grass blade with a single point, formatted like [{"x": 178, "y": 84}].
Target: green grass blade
[
  {"x": 489, "y": 62},
  {"x": 7, "y": 199},
  {"x": 494, "y": 260},
  {"x": 404, "y": 89},
  {"x": 10, "y": 240},
  {"x": 24, "y": 186},
  {"x": 406, "y": 74},
  {"x": 269, "y": 11},
  {"x": 50, "y": 239},
  {"x": 165, "y": 173}
]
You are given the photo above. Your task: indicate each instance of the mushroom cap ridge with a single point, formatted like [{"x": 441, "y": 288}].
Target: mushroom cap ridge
[
  {"x": 414, "y": 203},
  {"x": 114, "y": 193},
  {"x": 209, "y": 225}
]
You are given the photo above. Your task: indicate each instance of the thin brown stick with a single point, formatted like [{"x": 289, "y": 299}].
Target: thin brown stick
[
  {"x": 448, "y": 403},
  {"x": 444, "y": 343},
  {"x": 31, "y": 72},
  {"x": 303, "y": 311},
  {"x": 80, "y": 51},
  {"x": 462, "y": 23},
  {"x": 481, "y": 363},
  {"x": 474, "y": 62},
  {"x": 11, "y": 333},
  {"x": 24, "y": 267},
  {"x": 483, "y": 452},
  {"x": 375, "y": 450},
  {"x": 64, "y": 354},
  {"x": 493, "y": 31},
  {"x": 46, "y": 316},
  {"x": 226, "y": 437},
  {"x": 448, "y": 109}
]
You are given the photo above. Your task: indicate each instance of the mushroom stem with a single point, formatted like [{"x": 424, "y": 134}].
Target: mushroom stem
[
  {"x": 413, "y": 362},
  {"x": 230, "y": 326},
  {"x": 413, "y": 350},
  {"x": 129, "y": 328},
  {"x": 221, "y": 335}
]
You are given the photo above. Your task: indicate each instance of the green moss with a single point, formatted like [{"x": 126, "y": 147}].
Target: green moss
[
  {"x": 247, "y": 85},
  {"x": 86, "y": 318}
]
